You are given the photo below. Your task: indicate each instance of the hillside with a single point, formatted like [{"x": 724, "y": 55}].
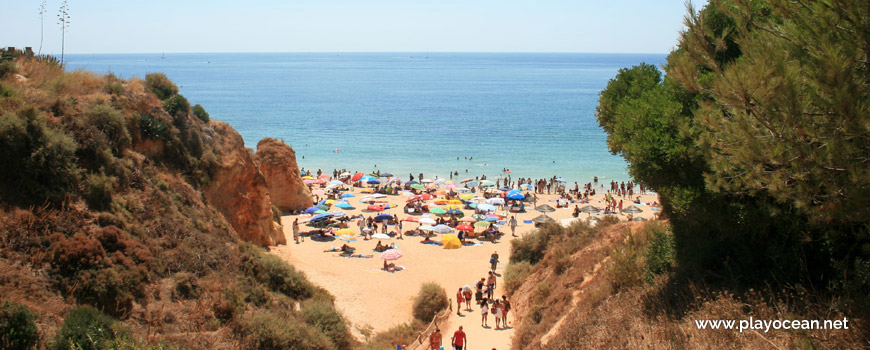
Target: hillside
[
  {"x": 129, "y": 219},
  {"x": 616, "y": 287}
]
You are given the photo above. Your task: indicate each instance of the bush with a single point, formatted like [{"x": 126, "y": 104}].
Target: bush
[
  {"x": 324, "y": 316},
  {"x": 186, "y": 286},
  {"x": 660, "y": 254},
  {"x": 111, "y": 123},
  {"x": 7, "y": 67},
  {"x": 266, "y": 330},
  {"x": 39, "y": 163},
  {"x": 200, "y": 113},
  {"x": 17, "y": 329},
  {"x": 177, "y": 106},
  {"x": 98, "y": 192},
  {"x": 153, "y": 127},
  {"x": 515, "y": 274},
  {"x": 85, "y": 328},
  {"x": 160, "y": 85},
  {"x": 532, "y": 247},
  {"x": 276, "y": 273},
  {"x": 431, "y": 299}
]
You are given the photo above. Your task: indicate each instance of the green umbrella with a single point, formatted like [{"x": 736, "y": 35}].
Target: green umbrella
[
  {"x": 417, "y": 186},
  {"x": 437, "y": 211},
  {"x": 322, "y": 207}
]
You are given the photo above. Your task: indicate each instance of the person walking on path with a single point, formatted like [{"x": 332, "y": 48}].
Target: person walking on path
[
  {"x": 506, "y": 306},
  {"x": 513, "y": 224},
  {"x": 493, "y": 260},
  {"x": 460, "y": 297},
  {"x": 459, "y": 340},
  {"x": 490, "y": 285},
  {"x": 296, "y": 235},
  {"x": 435, "y": 340}
]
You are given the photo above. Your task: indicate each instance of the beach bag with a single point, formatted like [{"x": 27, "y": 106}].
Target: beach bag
[
  {"x": 492, "y": 310},
  {"x": 491, "y": 260}
]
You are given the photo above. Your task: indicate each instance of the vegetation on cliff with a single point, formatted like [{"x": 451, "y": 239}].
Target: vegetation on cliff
[{"x": 102, "y": 204}]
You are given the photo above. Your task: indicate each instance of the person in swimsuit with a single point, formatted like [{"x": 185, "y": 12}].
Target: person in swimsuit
[
  {"x": 435, "y": 340},
  {"x": 484, "y": 313}
]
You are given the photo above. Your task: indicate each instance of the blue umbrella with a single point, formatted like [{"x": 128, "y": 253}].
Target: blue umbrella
[
  {"x": 454, "y": 212},
  {"x": 311, "y": 210},
  {"x": 344, "y": 205},
  {"x": 346, "y": 195},
  {"x": 504, "y": 188},
  {"x": 386, "y": 175},
  {"x": 412, "y": 182},
  {"x": 322, "y": 202},
  {"x": 367, "y": 178},
  {"x": 383, "y": 217},
  {"x": 515, "y": 196},
  {"x": 486, "y": 207},
  {"x": 373, "y": 182},
  {"x": 491, "y": 219},
  {"x": 323, "y": 216}
]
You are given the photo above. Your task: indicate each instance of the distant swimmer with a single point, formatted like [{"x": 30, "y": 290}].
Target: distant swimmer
[{"x": 336, "y": 150}]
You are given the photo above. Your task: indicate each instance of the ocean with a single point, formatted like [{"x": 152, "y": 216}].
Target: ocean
[{"x": 474, "y": 113}]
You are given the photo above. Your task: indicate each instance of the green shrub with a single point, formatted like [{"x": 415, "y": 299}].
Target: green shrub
[
  {"x": 515, "y": 274},
  {"x": 17, "y": 327},
  {"x": 39, "y": 163},
  {"x": 324, "y": 316},
  {"x": 177, "y": 106},
  {"x": 276, "y": 273},
  {"x": 200, "y": 113},
  {"x": 186, "y": 286},
  {"x": 114, "y": 88},
  {"x": 267, "y": 330},
  {"x": 98, "y": 192},
  {"x": 111, "y": 289},
  {"x": 532, "y": 247},
  {"x": 660, "y": 254},
  {"x": 402, "y": 334},
  {"x": 431, "y": 299},
  {"x": 85, "y": 328},
  {"x": 112, "y": 124},
  {"x": 7, "y": 67},
  {"x": 160, "y": 85},
  {"x": 153, "y": 127}
]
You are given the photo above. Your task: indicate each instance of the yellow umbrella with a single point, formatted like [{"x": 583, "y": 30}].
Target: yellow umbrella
[
  {"x": 452, "y": 206},
  {"x": 454, "y": 201},
  {"x": 449, "y": 182},
  {"x": 308, "y": 177},
  {"x": 345, "y": 232},
  {"x": 450, "y": 241},
  {"x": 466, "y": 196},
  {"x": 329, "y": 201},
  {"x": 440, "y": 201}
]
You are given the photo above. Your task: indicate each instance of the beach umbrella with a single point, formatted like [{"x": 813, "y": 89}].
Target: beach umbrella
[
  {"x": 426, "y": 181},
  {"x": 391, "y": 254},
  {"x": 381, "y": 236},
  {"x": 323, "y": 176},
  {"x": 311, "y": 210},
  {"x": 386, "y": 175},
  {"x": 418, "y": 186},
  {"x": 466, "y": 180},
  {"x": 525, "y": 186},
  {"x": 348, "y": 195},
  {"x": 515, "y": 196},
  {"x": 356, "y": 177},
  {"x": 482, "y": 223},
  {"x": 336, "y": 183},
  {"x": 427, "y": 221},
  {"x": 439, "y": 181},
  {"x": 491, "y": 219},
  {"x": 440, "y": 201},
  {"x": 344, "y": 205},
  {"x": 375, "y": 208},
  {"x": 487, "y": 183},
  {"x": 464, "y": 227},
  {"x": 330, "y": 202},
  {"x": 309, "y": 181},
  {"x": 344, "y": 175},
  {"x": 425, "y": 196},
  {"x": 437, "y": 211},
  {"x": 454, "y": 212},
  {"x": 479, "y": 216},
  {"x": 373, "y": 182},
  {"x": 495, "y": 201},
  {"x": 466, "y": 196},
  {"x": 472, "y": 183},
  {"x": 345, "y": 231},
  {"x": 322, "y": 206},
  {"x": 308, "y": 177},
  {"x": 486, "y": 207},
  {"x": 543, "y": 218},
  {"x": 461, "y": 190},
  {"x": 452, "y": 206},
  {"x": 450, "y": 241},
  {"x": 450, "y": 186},
  {"x": 412, "y": 182},
  {"x": 411, "y": 219},
  {"x": 504, "y": 188},
  {"x": 337, "y": 212},
  {"x": 321, "y": 181},
  {"x": 442, "y": 229},
  {"x": 589, "y": 210},
  {"x": 382, "y": 217},
  {"x": 454, "y": 201},
  {"x": 320, "y": 211},
  {"x": 545, "y": 209},
  {"x": 468, "y": 219},
  {"x": 322, "y": 216},
  {"x": 425, "y": 228},
  {"x": 346, "y": 238},
  {"x": 633, "y": 210},
  {"x": 449, "y": 182}
]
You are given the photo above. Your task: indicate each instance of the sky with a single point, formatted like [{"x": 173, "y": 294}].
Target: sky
[{"x": 148, "y": 26}]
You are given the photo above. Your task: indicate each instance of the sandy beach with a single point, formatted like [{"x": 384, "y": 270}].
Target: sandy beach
[{"x": 371, "y": 297}]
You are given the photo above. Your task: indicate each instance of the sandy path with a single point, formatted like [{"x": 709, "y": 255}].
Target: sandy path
[{"x": 368, "y": 296}]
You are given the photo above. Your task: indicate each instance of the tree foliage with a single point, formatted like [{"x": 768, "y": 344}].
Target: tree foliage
[{"x": 757, "y": 137}]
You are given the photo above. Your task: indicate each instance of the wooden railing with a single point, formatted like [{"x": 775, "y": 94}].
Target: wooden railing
[{"x": 418, "y": 344}]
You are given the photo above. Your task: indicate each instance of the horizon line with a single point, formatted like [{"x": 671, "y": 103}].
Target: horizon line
[{"x": 365, "y": 52}]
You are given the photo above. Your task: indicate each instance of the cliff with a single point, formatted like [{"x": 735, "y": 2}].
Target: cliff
[
  {"x": 239, "y": 191},
  {"x": 277, "y": 163}
]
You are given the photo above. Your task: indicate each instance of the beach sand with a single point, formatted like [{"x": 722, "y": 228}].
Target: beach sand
[{"x": 370, "y": 297}]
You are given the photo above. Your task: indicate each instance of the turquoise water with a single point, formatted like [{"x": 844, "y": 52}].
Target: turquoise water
[{"x": 532, "y": 113}]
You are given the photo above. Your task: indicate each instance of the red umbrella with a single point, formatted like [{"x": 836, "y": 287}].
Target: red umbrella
[
  {"x": 324, "y": 176},
  {"x": 425, "y": 196},
  {"x": 356, "y": 177},
  {"x": 411, "y": 219},
  {"x": 375, "y": 208},
  {"x": 465, "y": 227}
]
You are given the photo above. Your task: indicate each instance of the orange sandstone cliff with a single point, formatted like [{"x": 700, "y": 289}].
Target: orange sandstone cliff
[
  {"x": 277, "y": 163},
  {"x": 239, "y": 191}
]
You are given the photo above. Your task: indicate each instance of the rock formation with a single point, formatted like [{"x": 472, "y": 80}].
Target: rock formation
[
  {"x": 277, "y": 163},
  {"x": 239, "y": 191}
]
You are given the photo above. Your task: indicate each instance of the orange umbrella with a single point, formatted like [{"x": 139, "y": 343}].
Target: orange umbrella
[
  {"x": 356, "y": 177},
  {"x": 465, "y": 227}
]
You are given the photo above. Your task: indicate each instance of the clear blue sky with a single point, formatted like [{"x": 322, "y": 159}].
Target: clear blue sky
[{"x": 123, "y": 26}]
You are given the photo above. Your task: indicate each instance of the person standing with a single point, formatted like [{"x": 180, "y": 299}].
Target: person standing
[
  {"x": 435, "y": 340},
  {"x": 493, "y": 260},
  {"x": 296, "y": 231},
  {"x": 490, "y": 285},
  {"x": 459, "y": 340},
  {"x": 460, "y": 297},
  {"x": 484, "y": 313},
  {"x": 506, "y": 307},
  {"x": 513, "y": 224}
]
